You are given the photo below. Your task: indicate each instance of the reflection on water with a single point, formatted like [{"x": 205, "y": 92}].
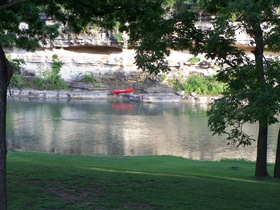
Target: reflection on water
[{"x": 112, "y": 128}]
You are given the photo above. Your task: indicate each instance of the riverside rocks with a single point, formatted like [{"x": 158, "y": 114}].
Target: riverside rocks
[
  {"x": 154, "y": 98},
  {"x": 106, "y": 94}
]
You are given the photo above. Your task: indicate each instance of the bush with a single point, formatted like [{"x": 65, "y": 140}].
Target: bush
[
  {"x": 194, "y": 60},
  {"x": 118, "y": 37},
  {"x": 50, "y": 78},
  {"x": 202, "y": 85},
  {"x": 88, "y": 78},
  {"x": 17, "y": 77}
]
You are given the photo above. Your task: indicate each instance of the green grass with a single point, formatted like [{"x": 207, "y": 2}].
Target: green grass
[{"x": 52, "y": 181}]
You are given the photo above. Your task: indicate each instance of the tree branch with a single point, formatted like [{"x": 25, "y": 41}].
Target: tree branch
[
  {"x": 85, "y": 5},
  {"x": 10, "y": 4}
]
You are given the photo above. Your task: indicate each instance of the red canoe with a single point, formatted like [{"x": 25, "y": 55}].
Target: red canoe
[{"x": 128, "y": 90}]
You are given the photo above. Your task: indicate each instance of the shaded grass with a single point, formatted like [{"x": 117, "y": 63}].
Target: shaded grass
[{"x": 52, "y": 181}]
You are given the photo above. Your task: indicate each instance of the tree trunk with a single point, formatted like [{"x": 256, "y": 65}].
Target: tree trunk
[
  {"x": 261, "y": 163},
  {"x": 5, "y": 75},
  {"x": 277, "y": 159},
  {"x": 257, "y": 34}
]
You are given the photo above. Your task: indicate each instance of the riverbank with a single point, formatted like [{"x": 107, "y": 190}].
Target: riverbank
[
  {"x": 52, "y": 181},
  {"x": 77, "y": 94}
]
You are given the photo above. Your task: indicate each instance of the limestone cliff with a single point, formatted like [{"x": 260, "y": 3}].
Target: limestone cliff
[{"x": 97, "y": 52}]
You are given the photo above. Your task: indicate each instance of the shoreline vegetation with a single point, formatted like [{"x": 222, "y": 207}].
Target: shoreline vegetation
[{"x": 38, "y": 180}]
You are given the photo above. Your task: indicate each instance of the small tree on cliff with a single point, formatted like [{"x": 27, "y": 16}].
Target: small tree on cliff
[{"x": 70, "y": 16}]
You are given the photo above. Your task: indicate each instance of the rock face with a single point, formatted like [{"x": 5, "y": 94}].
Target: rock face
[
  {"x": 97, "y": 53},
  {"x": 111, "y": 64}
]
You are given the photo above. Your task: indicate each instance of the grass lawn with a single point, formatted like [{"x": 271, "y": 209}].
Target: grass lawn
[{"x": 51, "y": 181}]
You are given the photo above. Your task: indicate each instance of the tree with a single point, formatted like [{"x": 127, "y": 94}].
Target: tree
[
  {"x": 252, "y": 82},
  {"x": 157, "y": 35},
  {"x": 70, "y": 16},
  {"x": 277, "y": 159},
  {"x": 247, "y": 101},
  {"x": 4, "y": 80}
]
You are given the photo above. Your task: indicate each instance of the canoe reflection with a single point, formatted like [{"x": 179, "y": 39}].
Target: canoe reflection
[{"x": 121, "y": 106}]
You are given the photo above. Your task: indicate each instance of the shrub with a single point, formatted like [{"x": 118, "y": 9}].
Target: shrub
[
  {"x": 202, "y": 85},
  {"x": 88, "y": 78},
  {"x": 49, "y": 79},
  {"x": 194, "y": 60},
  {"x": 118, "y": 37},
  {"x": 17, "y": 78}
]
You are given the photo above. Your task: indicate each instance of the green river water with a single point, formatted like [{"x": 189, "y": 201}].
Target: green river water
[{"x": 116, "y": 128}]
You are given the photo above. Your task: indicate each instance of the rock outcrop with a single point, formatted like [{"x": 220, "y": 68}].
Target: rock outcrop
[
  {"x": 78, "y": 94},
  {"x": 97, "y": 53}
]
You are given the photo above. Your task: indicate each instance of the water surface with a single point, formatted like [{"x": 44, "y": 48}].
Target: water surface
[{"x": 115, "y": 128}]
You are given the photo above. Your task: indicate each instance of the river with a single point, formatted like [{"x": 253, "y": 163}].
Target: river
[{"x": 116, "y": 128}]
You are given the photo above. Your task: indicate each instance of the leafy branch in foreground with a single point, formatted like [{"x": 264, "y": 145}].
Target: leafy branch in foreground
[{"x": 245, "y": 101}]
